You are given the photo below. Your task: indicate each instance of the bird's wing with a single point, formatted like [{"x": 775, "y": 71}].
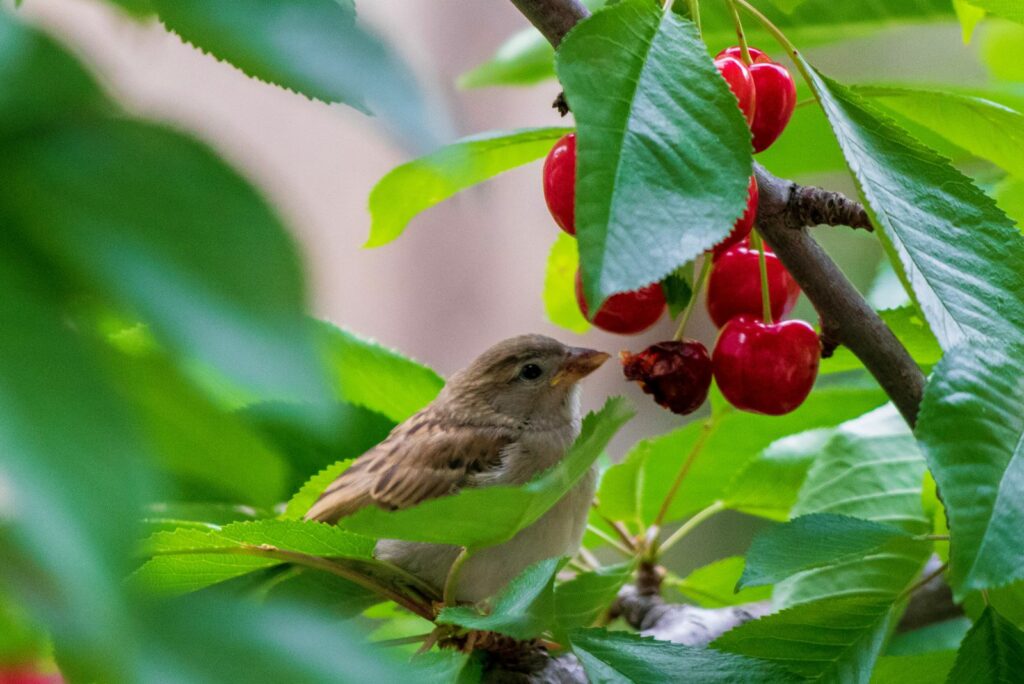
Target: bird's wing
[{"x": 422, "y": 459}]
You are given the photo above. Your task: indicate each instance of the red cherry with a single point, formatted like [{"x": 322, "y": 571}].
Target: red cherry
[
  {"x": 626, "y": 313},
  {"x": 737, "y": 75},
  {"x": 676, "y": 373},
  {"x": 734, "y": 286},
  {"x": 741, "y": 229},
  {"x": 776, "y": 99},
  {"x": 766, "y": 367},
  {"x": 560, "y": 182},
  {"x": 756, "y": 56}
]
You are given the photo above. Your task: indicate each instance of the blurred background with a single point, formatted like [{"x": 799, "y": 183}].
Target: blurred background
[{"x": 470, "y": 271}]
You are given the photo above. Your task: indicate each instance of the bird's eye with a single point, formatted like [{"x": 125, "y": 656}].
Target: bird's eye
[{"x": 530, "y": 371}]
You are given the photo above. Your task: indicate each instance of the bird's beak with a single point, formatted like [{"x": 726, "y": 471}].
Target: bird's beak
[{"x": 579, "y": 363}]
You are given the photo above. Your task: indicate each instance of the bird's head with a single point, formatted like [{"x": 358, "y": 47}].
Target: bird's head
[{"x": 526, "y": 377}]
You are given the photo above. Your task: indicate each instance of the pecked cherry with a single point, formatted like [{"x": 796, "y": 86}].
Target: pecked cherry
[
  {"x": 741, "y": 229},
  {"x": 734, "y": 286},
  {"x": 560, "y": 182},
  {"x": 766, "y": 367},
  {"x": 626, "y": 313},
  {"x": 737, "y": 75},
  {"x": 776, "y": 99},
  {"x": 677, "y": 373},
  {"x": 756, "y": 56}
]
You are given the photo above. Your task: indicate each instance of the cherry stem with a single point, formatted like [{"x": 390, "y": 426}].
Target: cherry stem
[
  {"x": 610, "y": 541},
  {"x": 740, "y": 35},
  {"x": 766, "y": 299},
  {"x": 785, "y": 42},
  {"x": 688, "y": 526},
  {"x": 681, "y": 475},
  {"x": 698, "y": 285}
]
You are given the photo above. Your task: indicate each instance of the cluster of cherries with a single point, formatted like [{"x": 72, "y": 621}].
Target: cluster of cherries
[{"x": 760, "y": 365}]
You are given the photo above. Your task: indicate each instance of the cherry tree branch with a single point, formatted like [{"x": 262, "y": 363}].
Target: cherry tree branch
[{"x": 785, "y": 211}]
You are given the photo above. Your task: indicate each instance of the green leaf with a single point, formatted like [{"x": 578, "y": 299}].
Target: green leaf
[
  {"x": 1009, "y": 196},
  {"x": 522, "y": 610},
  {"x": 526, "y": 57},
  {"x": 348, "y": 432},
  {"x": 812, "y": 541},
  {"x": 625, "y": 658},
  {"x": 1007, "y": 9},
  {"x": 328, "y": 592},
  {"x": 969, "y": 16},
  {"x": 925, "y": 668},
  {"x": 206, "y": 640},
  {"x": 678, "y": 291},
  {"x": 870, "y": 469},
  {"x": 174, "y": 575},
  {"x": 816, "y": 22},
  {"x": 829, "y": 640},
  {"x": 167, "y": 516},
  {"x": 560, "y": 285},
  {"x": 632, "y": 491},
  {"x": 921, "y": 205},
  {"x": 971, "y": 430},
  {"x": 28, "y": 58},
  {"x": 490, "y": 515},
  {"x": 992, "y": 651},
  {"x": 1000, "y": 42},
  {"x": 941, "y": 636},
  {"x": 769, "y": 484},
  {"x": 306, "y": 537},
  {"x": 420, "y": 184},
  {"x": 714, "y": 585},
  {"x": 158, "y": 223},
  {"x": 308, "y": 494},
  {"x": 581, "y": 600},
  {"x": 189, "y": 559},
  {"x": 984, "y": 128},
  {"x": 911, "y": 329},
  {"x": 73, "y": 473},
  {"x": 663, "y": 153},
  {"x": 367, "y": 374},
  {"x": 211, "y": 453},
  {"x": 313, "y": 47}
]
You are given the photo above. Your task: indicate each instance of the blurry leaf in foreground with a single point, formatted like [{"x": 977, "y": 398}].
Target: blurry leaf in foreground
[
  {"x": 29, "y": 57},
  {"x": 75, "y": 473},
  {"x": 314, "y": 47},
  {"x": 158, "y": 223}
]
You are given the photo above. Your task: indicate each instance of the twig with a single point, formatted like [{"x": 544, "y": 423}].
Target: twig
[{"x": 611, "y": 541}]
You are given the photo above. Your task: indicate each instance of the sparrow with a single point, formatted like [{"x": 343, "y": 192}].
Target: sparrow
[{"x": 509, "y": 415}]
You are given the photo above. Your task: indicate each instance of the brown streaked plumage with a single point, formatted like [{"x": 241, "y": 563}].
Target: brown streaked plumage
[{"x": 507, "y": 416}]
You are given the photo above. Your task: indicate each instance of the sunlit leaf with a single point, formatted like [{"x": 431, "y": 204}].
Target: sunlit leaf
[{"x": 418, "y": 185}]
